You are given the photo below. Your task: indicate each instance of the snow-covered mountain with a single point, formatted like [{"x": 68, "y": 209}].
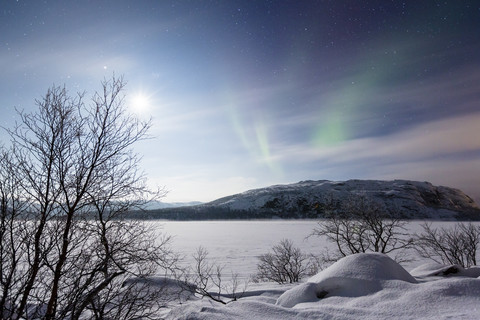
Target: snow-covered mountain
[
  {"x": 412, "y": 199},
  {"x": 312, "y": 199},
  {"x": 153, "y": 205}
]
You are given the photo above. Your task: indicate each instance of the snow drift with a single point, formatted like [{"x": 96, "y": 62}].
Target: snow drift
[
  {"x": 353, "y": 276},
  {"x": 439, "y": 270},
  {"x": 362, "y": 286}
]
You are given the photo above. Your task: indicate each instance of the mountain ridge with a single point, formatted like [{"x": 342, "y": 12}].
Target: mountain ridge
[{"x": 310, "y": 199}]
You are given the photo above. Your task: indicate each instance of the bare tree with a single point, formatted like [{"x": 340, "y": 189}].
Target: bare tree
[
  {"x": 13, "y": 235},
  {"x": 360, "y": 225},
  {"x": 71, "y": 178},
  {"x": 206, "y": 279},
  {"x": 285, "y": 264},
  {"x": 456, "y": 245}
]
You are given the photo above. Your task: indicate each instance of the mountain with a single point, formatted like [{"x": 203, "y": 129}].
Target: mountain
[
  {"x": 153, "y": 205},
  {"x": 312, "y": 199}
]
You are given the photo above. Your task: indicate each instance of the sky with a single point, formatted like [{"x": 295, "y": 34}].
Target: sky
[{"x": 247, "y": 94}]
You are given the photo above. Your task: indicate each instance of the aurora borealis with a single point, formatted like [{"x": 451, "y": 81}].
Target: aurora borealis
[{"x": 246, "y": 94}]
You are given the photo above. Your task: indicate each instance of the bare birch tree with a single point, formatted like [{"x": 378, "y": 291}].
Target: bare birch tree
[
  {"x": 71, "y": 177},
  {"x": 455, "y": 245},
  {"x": 360, "y": 225}
]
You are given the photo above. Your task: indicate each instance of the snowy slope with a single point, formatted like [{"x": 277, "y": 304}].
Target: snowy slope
[
  {"x": 153, "y": 205},
  {"x": 308, "y": 199},
  {"x": 361, "y": 286}
]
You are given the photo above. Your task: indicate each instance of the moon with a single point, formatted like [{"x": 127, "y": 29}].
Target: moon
[{"x": 140, "y": 102}]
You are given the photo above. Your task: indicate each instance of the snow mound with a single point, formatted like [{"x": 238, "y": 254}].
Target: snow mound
[
  {"x": 353, "y": 276},
  {"x": 365, "y": 266},
  {"x": 358, "y": 287},
  {"x": 172, "y": 289},
  {"x": 440, "y": 270}
]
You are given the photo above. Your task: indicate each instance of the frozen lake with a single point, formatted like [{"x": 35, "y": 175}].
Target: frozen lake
[{"x": 237, "y": 244}]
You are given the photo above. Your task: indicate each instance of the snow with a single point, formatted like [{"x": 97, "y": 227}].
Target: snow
[
  {"x": 353, "y": 276},
  {"x": 365, "y": 286},
  {"x": 172, "y": 289},
  {"x": 361, "y": 286},
  {"x": 370, "y": 267},
  {"x": 438, "y": 270},
  {"x": 236, "y": 245}
]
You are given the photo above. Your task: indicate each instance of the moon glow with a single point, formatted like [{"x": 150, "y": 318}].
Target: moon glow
[{"x": 140, "y": 103}]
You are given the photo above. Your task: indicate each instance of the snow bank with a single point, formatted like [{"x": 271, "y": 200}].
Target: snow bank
[
  {"x": 358, "y": 287},
  {"x": 353, "y": 276},
  {"x": 172, "y": 290},
  {"x": 440, "y": 270}
]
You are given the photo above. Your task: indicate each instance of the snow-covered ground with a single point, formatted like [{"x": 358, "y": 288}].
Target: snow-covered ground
[
  {"x": 236, "y": 245},
  {"x": 365, "y": 286}
]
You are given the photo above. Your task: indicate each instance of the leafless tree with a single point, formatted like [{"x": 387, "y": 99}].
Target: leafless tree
[
  {"x": 361, "y": 225},
  {"x": 206, "y": 279},
  {"x": 455, "y": 245},
  {"x": 70, "y": 178},
  {"x": 13, "y": 236},
  {"x": 285, "y": 264}
]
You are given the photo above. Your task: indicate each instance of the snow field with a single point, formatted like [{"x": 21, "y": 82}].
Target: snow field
[{"x": 363, "y": 286}]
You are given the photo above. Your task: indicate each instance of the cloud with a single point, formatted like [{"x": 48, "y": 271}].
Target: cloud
[
  {"x": 445, "y": 151},
  {"x": 453, "y": 91},
  {"x": 71, "y": 61},
  {"x": 456, "y": 173},
  {"x": 203, "y": 186},
  {"x": 432, "y": 139}
]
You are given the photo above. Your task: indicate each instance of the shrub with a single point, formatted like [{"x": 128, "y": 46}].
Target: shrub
[
  {"x": 455, "y": 245},
  {"x": 206, "y": 279},
  {"x": 360, "y": 225},
  {"x": 285, "y": 264}
]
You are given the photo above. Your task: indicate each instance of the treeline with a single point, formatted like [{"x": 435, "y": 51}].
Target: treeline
[
  {"x": 274, "y": 209},
  {"x": 222, "y": 213},
  {"x": 195, "y": 213}
]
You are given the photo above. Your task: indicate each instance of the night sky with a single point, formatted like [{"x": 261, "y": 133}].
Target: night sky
[{"x": 246, "y": 94}]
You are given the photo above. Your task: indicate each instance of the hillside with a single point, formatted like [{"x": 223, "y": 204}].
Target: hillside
[{"x": 312, "y": 199}]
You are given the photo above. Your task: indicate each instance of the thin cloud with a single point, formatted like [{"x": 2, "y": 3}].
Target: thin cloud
[{"x": 431, "y": 139}]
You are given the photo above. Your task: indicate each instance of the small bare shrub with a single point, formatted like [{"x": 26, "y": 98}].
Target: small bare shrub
[
  {"x": 206, "y": 279},
  {"x": 360, "y": 225},
  {"x": 285, "y": 264},
  {"x": 455, "y": 245}
]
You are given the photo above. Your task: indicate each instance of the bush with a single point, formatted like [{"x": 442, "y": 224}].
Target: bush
[
  {"x": 206, "y": 279},
  {"x": 285, "y": 264},
  {"x": 360, "y": 225},
  {"x": 455, "y": 245}
]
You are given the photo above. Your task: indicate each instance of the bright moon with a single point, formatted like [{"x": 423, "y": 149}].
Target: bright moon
[{"x": 140, "y": 102}]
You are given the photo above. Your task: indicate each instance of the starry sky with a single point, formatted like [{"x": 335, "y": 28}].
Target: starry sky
[{"x": 246, "y": 94}]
